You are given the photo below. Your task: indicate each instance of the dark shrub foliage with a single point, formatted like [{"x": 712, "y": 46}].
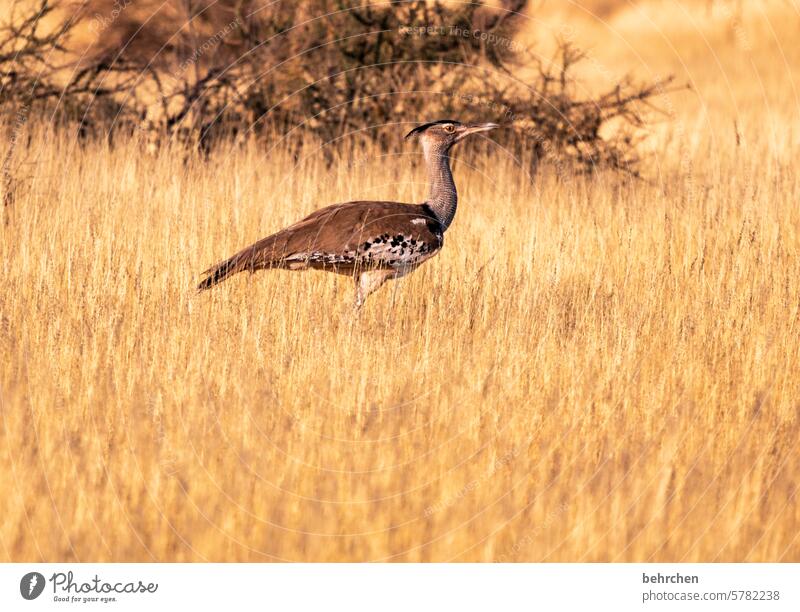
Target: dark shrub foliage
[{"x": 329, "y": 69}]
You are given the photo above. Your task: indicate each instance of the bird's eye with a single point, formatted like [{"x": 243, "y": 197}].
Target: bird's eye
[{"x": 449, "y": 129}]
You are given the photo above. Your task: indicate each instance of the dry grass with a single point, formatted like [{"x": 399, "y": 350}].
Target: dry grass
[{"x": 588, "y": 371}]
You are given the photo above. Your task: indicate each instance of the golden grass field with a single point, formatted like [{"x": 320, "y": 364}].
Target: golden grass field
[{"x": 591, "y": 370}]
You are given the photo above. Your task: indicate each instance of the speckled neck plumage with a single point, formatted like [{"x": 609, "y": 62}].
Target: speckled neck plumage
[{"x": 442, "y": 196}]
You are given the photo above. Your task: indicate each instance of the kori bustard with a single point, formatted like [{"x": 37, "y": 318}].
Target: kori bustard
[{"x": 371, "y": 241}]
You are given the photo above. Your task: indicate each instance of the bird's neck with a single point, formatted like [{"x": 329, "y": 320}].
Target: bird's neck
[{"x": 442, "y": 196}]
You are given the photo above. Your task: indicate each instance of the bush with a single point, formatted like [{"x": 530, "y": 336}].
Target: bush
[{"x": 326, "y": 69}]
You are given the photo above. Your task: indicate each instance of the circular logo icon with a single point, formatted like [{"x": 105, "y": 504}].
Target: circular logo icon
[{"x": 31, "y": 585}]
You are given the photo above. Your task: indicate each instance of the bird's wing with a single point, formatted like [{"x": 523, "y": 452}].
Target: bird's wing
[{"x": 378, "y": 233}]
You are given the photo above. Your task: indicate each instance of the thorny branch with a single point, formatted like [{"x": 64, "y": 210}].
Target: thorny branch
[{"x": 242, "y": 67}]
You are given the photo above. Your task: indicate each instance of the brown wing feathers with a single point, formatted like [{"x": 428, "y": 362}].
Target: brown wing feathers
[
  {"x": 267, "y": 252},
  {"x": 335, "y": 234}
]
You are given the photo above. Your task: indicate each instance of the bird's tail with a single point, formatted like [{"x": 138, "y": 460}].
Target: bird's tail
[
  {"x": 218, "y": 273},
  {"x": 257, "y": 256}
]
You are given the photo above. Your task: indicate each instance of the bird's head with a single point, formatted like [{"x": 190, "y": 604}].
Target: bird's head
[{"x": 438, "y": 136}]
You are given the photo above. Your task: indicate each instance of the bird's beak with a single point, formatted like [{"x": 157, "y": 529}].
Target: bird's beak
[{"x": 475, "y": 128}]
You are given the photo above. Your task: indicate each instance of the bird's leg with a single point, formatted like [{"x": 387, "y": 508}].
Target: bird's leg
[{"x": 368, "y": 282}]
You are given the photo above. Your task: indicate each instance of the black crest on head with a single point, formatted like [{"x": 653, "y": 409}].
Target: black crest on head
[{"x": 421, "y": 128}]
